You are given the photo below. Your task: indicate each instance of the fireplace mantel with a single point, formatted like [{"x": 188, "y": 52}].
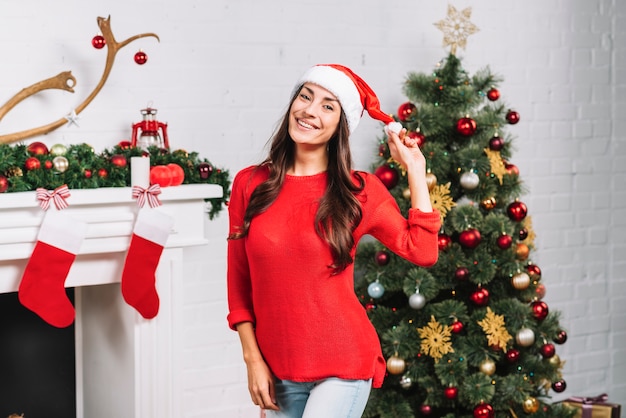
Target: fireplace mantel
[{"x": 125, "y": 365}]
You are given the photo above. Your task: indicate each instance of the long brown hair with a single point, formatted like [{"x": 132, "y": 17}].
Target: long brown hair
[{"x": 339, "y": 211}]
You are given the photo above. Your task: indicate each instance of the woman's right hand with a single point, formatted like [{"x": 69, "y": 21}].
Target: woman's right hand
[{"x": 261, "y": 384}]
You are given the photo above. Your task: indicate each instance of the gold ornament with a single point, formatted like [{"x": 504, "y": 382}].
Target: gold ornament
[
  {"x": 406, "y": 193},
  {"x": 14, "y": 172},
  {"x": 522, "y": 251},
  {"x": 436, "y": 339},
  {"x": 493, "y": 326},
  {"x": 58, "y": 149},
  {"x": 431, "y": 180},
  {"x": 496, "y": 164},
  {"x": 520, "y": 281},
  {"x": 530, "y": 405},
  {"x": 60, "y": 163},
  {"x": 395, "y": 364},
  {"x": 488, "y": 367},
  {"x": 488, "y": 203},
  {"x": 456, "y": 27},
  {"x": 441, "y": 200}
]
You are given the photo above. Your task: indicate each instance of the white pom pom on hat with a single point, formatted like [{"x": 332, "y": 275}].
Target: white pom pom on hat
[{"x": 353, "y": 93}]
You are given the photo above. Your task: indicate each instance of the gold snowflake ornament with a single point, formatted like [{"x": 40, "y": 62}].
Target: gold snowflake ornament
[
  {"x": 496, "y": 164},
  {"x": 441, "y": 200},
  {"x": 435, "y": 339},
  {"x": 493, "y": 325},
  {"x": 456, "y": 28}
]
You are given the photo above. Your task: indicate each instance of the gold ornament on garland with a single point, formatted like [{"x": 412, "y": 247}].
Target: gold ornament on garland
[
  {"x": 493, "y": 326},
  {"x": 496, "y": 163},
  {"x": 441, "y": 200},
  {"x": 436, "y": 339},
  {"x": 456, "y": 28}
]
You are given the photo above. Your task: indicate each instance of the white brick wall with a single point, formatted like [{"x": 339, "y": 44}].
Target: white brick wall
[{"x": 221, "y": 76}]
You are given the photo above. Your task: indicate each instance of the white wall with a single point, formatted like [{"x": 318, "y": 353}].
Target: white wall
[{"x": 222, "y": 74}]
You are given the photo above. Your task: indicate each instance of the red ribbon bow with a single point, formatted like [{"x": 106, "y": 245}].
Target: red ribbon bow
[
  {"x": 151, "y": 194},
  {"x": 57, "y": 195}
]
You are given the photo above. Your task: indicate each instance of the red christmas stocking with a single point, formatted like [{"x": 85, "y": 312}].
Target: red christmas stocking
[
  {"x": 150, "y": 234},
  {"x": 42, "y": 289}
]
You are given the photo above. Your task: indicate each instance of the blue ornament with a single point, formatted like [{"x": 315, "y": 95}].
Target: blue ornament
[{"x": 375, "y": 290}]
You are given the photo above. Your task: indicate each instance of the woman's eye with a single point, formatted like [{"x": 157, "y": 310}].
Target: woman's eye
[
  {"x": 304, "y": 96},
  {"x": 329, "y": 107}
]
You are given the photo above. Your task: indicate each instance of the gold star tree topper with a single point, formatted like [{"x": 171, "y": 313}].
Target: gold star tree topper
[{"x": 456, "y": 28}]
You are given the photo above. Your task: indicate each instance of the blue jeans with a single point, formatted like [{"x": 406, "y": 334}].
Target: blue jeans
[{"x": 328, "y": 398}]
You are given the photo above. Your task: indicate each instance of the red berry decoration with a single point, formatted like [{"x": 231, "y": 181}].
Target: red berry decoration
[
  {"x": 443, "y": 242},
  {"x": 48, "y": 164},
  {"x": 466, "y": 126},
  {"x": 560, "y": 337},
  {"x": 517, "y": 211},
  {"x": 161, "y": 175},
  {"x": 480, "y": 297},
  {"x": 426, "y": 410},
  {"x": 512, "y": 117},
  {"x": 32, "y": 163},
  {"x": 406, "y": 111},
  {"x": 512, "y": 355},
  {"x": 457, "y": 327},
  {"x": 176, "y": 173},
  {"x": 559, "y": 386},
  {"x": 205, "y": 170},
  {"x": 540, "y": 310},
  {"x": 504, "y": 241},
  {"x": 141, "y": 58},
  {"x": 4, "y": 184},
  {"x": 103, "y": 173},
  {"x": 461, "y": 274},
  {"x": 484, "y": 410},
  {"x": 37, "y": 148},
  {"x": 98, "y": 42},
  {"x": 548, "y": 350},
  {"x": 388, "y": 175},
  {"x": 87, "y": 174},
  {"x": 419, "y": 137},
  {"x": 118, "y": 160},
  {"x": 450, "y": 392},
  {"x": 382, "y": 258},
  {"x": 496, "y": 143},
  {"x": 493, "y": 94},
  {"x": 470, "y": 238}
]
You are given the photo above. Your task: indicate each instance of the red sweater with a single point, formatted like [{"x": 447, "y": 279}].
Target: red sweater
[{"x": 309, "y": 323}]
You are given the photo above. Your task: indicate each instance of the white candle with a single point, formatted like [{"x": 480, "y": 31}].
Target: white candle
[{"x": 140, "y": 171}]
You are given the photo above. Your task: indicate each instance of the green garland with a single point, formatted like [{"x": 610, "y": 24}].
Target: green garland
[{"x": 83, "y": 168}]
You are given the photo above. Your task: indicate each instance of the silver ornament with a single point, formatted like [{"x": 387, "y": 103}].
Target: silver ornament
[
  {"x": 417, "y": 301},
  {"x": 525, "y": 337},
  {"x": 375, "y": 290},
  {"x": 60, "y": 163},
  {"x": 469, "y": 180},
  {"x": 406, "y": 382}
]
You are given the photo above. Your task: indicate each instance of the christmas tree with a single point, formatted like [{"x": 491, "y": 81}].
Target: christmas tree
[{"x": 470, "y": 336}]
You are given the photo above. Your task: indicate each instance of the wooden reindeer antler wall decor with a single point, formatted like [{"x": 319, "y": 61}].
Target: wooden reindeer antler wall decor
[{"x": 66, "y": 81}]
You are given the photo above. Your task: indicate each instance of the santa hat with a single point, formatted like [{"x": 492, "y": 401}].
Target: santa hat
[{"x": 353, "y": 93}]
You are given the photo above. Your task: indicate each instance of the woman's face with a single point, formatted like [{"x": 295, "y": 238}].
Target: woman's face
[{"x": 314, "y": 116}]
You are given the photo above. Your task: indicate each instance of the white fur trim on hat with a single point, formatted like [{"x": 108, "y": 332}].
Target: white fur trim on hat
[{"x": 339, "y": 84}]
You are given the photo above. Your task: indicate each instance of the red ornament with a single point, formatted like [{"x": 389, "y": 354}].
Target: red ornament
[
  {"x": 103, "y": 173},
  {"x": 382, "y": 258},
  {"x": 443, "y": 242},
  {"x": 512, "y": 117},
  {"x": 504, "y": 241},
  {"x": 484, "y": 410},
  {"x": 405, "y": 111},
  {"x": 560, "y": 337},
  {"x": 37, "y": 148},
  {"x": 496, "y": 143},
  {"x": 457, "y": 327},
  {"x": 461, "y": 274},
  {"x": 470, "y": 238},
  {"x": 124, "y": 145},
  {"x": 517, "y": 211},
  {"x": 118, "y": 160},
  {"x": 388, "y": 175},
  {"x": 480, "y": 297},
  {"x": 512, "y": 355},
  {"x": 511, "y": 169},
  {"x": 419, "y": 137},
  {"x": 32, "y": 163},
  {"x": 48, "y": 164},
  {"x": 493, "y": 94},
  {"x": 426, "y": 410},
  {"x": 88, "y": 174},
  {"x": 98, "y": 42},
  {"x": 205, "y": 170},
  {"x": 176, "y": 173},
  {"x": 522, "y": 234},
  {"x": 548, "y": 350},
  {"x": 141, "y": 58},
  {"x": 466, "y": 126},
  {"x": 540, "y": 291},
  {"x": 4, "y": 184},
  {"x": 534, "y": 271},
  {"x": 161, "y": 175},
  {"x": 540, "y": 310},
  {"x": 559, "y": 386},
  {"x": 450, "y": 392}
]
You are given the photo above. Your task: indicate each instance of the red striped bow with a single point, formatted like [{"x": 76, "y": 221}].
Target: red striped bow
[
  {"x": 57, "y": 195},
  {"x": 151, "y": 194}
]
